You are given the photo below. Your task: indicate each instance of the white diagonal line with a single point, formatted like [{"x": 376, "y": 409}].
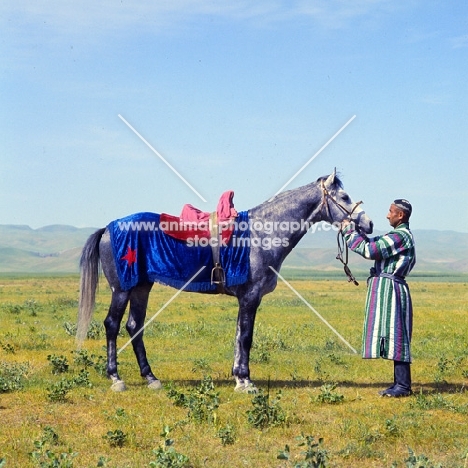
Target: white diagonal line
[
  {"x": 161, "y": 309},
  {"x": 313, "y": 310},
  {"x": 161, "y": 157},
  {"x": 314, "y": 156}
]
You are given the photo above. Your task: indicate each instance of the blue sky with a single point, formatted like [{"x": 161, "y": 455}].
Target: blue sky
[{"x": 234, "y": 95}]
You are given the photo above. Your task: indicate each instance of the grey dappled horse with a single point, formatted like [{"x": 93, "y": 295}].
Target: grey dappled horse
[{"x": 323, "y": 200}]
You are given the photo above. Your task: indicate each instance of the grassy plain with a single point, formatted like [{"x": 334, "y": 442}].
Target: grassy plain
[{"x": 326, "y": 391}]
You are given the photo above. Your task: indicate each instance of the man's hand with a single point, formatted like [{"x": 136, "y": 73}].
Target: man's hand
[{"x": 345, "y": 223}]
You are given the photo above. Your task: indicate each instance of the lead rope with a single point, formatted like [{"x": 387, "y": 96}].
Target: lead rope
[
  {"x": 343, "y": 249},
  {"x": 342, "y": 245}
]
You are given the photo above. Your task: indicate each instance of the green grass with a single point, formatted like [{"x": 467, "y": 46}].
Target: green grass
[{"x": 315, "y": 386}]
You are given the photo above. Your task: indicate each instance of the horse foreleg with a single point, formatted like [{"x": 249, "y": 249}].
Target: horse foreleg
[
  {"x": 135, "y": 327},
  {"x": 112, "y": 323},
  {"x": 244, "y": 334}
]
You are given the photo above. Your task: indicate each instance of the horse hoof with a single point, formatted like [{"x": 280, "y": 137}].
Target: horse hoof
[
  {"x": 155, "y": 385},
  {"x": 247, "y": 387},
  {"x": 118, "y": 386}
]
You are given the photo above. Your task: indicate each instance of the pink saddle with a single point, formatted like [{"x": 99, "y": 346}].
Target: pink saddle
[{"x": 194, "y": 223}]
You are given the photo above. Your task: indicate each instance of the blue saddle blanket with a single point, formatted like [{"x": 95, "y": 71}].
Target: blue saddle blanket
[{"x": 144, "y": 253}]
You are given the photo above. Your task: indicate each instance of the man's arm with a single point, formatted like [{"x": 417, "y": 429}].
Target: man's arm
[{"x": 376, "y": 248}]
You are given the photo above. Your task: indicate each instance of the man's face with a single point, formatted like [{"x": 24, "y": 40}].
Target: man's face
[{"x": 394, "y": 215}]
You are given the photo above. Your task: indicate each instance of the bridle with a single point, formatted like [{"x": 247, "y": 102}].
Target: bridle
[
  {"x": 342, "y": 255},
  {"x": 326, "y": 197}
]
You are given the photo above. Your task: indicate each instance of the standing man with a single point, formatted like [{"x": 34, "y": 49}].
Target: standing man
[{"x": 388, "y": 312}]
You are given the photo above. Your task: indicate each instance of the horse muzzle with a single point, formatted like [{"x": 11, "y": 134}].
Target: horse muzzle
[{"x": 364, "y": 223}]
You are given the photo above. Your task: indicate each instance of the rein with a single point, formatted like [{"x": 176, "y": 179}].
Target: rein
[
  {"x": 343, "y": 249},
  {"x": 342, "y": 255}
]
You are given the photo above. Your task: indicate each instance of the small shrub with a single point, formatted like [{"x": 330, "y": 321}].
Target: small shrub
[
  {"x": 102, "y": 461},
  {"x": 57, "y": 392},
  {"x": 227, "y": 435},
  {"x": 44, "y": 457},
  {"x": 201, "y": 365},
  {"x": 266, "y": 341},
  {"x": 178, "y": 398},
  {"x": 59, "y": 363},
  {"x": 82, "y": 379},
  {"x": 8, "y": 348},
  {"x": 331, "y": 345},
  {"x": 50, "y": 436},
  {"x": 66, "y": 302},
  {"x": 12, "y": 308},
  {"x": 367, "y": 435},
  {"x": 436, "y": 401},
  {"x": 32, "y": 306},
  {"x": 265, "y": 414},
  {"x": 201, "y": 402},
  {"x": 360, "y": 451},
  {"x": 391, "y": 427},
  {"x": 167, "y": 456},
  {"x": 82, "y": 358},
  {"x": 39, "y": 342},
  {"x": 95, "y": 332},
  {"x": 328, "y": 395},
  {"x": 337, "y": 360},
  {"x": 446, "y": 366},
  {"x": 314, "y": 455},
  {"x": 116, "y": 438},
  {"x": 70, "y": 328},
  {"x": 117, "y": 416},
  {"x": 322, "y": 375},
  {"x": 120, "y": 413},
  {"x": 12, "y": 376},
  {"x": 420, "y": 461},
  {"x": 100, "y": 365}
]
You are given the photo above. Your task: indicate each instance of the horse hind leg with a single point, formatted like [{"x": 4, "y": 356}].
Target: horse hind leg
[
  {"x": 112, "y": 324},
  {"x": 135, "y": 327}
]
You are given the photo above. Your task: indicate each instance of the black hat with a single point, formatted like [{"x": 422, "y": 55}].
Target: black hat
[{"x": 403, "y": 205}]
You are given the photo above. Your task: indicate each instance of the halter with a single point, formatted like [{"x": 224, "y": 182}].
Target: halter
[{"x": 342, "y": 255}]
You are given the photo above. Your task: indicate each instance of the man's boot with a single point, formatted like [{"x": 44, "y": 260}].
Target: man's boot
[
  {"x": 402, "y": 387},
  {"x": 383, "y": 392}
]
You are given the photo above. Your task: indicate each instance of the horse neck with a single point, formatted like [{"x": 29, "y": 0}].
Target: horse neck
[{"x": 301, "y": 205}]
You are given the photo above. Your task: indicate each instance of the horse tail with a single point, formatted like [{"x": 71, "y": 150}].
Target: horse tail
[{"x": 89, "y": 266}]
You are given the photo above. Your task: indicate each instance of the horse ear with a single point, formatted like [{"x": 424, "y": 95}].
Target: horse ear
[{"x": 331, "y": 179}]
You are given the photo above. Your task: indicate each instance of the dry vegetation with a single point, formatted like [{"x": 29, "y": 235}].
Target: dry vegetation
[{"x": 57, "y": 410}]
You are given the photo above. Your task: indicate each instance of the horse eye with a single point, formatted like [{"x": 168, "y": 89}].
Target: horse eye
[{"x": 345, "y": 198}]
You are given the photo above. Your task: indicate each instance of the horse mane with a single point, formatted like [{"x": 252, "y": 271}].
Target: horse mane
[{"x": 337, "y": 184}]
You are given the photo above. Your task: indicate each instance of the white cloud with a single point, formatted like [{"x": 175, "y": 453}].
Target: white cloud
[
  {"x": 436, "y": 99},
  {"x": 336, "y": 14},
  {"x": 95, "y": 18}
]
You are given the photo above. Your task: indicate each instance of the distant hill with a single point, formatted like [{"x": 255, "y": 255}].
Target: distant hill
[
  {"x": 57, "y": 248},
  {"x": 51, "y": 249}
]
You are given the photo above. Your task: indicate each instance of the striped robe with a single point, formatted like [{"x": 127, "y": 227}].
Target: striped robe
[{"x": 388, "y": 319}]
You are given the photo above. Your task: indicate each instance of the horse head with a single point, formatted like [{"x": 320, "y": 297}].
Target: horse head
[{"x": 338, "y": 206}]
